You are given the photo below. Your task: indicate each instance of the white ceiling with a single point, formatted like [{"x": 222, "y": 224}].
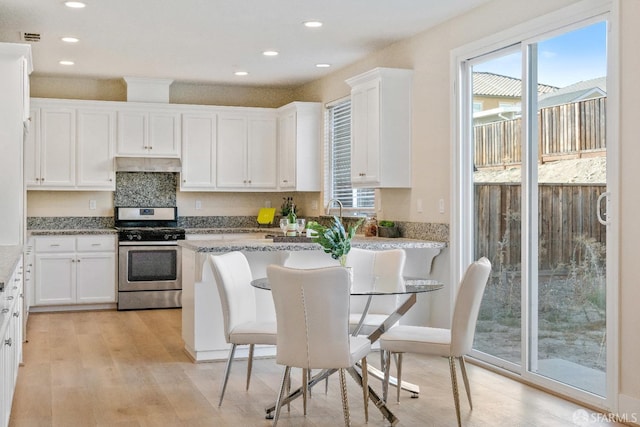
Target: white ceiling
[{"x": 208, "y": 40}]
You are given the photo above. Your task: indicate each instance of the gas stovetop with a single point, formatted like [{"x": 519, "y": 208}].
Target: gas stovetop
[
  {"x": 150, "y": 234},
  {"x": 148, "y": 224}
]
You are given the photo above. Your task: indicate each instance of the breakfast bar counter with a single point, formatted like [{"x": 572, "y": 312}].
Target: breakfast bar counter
[{"x": 202, "y": 323}]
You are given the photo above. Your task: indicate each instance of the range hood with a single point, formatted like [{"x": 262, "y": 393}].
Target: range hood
[{"x": 147, "y": 164}]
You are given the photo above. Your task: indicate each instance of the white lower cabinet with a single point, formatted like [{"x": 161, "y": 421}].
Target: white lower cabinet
[
  {"x": 10, "y": 341},
  {"x": 75, "y": 270}
]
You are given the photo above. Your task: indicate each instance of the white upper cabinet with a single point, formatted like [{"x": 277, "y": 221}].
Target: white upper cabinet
[
  {"x": 299, "y": 129},
  {"x": 246, "y": 151},
  {"x": 70, "y": 146},
  {"x": 381, "y": 128},
  {"x": 148, "y": 131},
  {"x": 95, "y": 141},
  {"x": 199, "y": 132},
  {"x": 51, "y": 148}
]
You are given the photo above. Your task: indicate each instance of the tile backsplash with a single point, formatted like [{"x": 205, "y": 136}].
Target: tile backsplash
[{"x": 156, "y": 189}]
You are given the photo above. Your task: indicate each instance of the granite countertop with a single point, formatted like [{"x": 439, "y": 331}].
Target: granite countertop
[
  {"x": 71, "y": 231},
  {"x": 263, "y": 244},
  {"x": 9, "y": 257}
]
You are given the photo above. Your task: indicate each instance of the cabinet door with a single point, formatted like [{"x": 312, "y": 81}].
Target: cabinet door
[
  {"x": 231, "y": 151},
  {"x": 32, "y": 151},
  {"x": 55, "y": 279},
  {"x": 261, "y": 153},
  {"x": 57, "y": 147},
  {"x": 96, "y": 138},
  {"x": 132, "y": 138},
  {"x": 96, "y": 278},
  {"x": 164, "y": 134},
  {"x": 198, "y": 151},
  {"x": 287, "y": 151},
  {"x": 365, "y": 131}
]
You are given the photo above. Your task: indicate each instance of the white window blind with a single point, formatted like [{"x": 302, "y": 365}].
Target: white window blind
[{"x": 338, "y": 160}]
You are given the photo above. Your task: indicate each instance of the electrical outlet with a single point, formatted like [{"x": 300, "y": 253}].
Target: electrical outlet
[
  {"x": 441, "y": 206},
  {"x": 419, "y": 205},
  {"x": 267, "y": 203},
  {"x": 92, "y": 204},
  {"x": 198, "y": 204},
  {"x": 314, "y": 205}
]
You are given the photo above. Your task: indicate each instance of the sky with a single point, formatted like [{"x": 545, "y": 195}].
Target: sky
[{"x": 562, "y": 60}]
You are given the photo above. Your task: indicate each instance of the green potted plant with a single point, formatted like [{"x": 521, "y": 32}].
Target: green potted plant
[
  {"x": 388, "y": 229},
  {"x": 335, "y": 240}
]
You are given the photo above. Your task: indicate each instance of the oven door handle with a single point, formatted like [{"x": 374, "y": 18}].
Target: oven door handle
[{"x": 141, "y": 243}]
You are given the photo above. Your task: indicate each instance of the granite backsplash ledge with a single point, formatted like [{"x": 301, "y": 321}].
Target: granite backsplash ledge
[{"x": 69, "y": 222}]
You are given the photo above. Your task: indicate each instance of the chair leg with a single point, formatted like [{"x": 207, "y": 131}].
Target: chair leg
[
  {"x": 463, "y": 368},
  {"x": 386, "y": 366},
  {"x": 454, "y": 386},
  {"x": 365, "y": 389},
  {"x": 283, "y": 386},
  {"x": 399, "y": 369},
  {"x": 249, "y": 365},
  {"x": 227, "y": 370},
  {"x": 345, "y": 400},
  {"x": 305, "y": 390}
]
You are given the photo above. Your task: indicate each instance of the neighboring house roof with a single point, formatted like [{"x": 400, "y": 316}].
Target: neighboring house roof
[
  {"x": 490, "y": 84},
  {"x": 582, "y": 90}
]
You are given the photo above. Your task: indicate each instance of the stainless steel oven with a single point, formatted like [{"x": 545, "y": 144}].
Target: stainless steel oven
[{"x": 149, "y": 261}]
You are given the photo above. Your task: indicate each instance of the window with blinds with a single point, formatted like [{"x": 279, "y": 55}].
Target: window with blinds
[{"x": 338, "y": 160}]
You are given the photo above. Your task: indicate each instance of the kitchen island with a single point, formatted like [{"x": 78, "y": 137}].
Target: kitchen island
[{"x": 202, "y": 323}]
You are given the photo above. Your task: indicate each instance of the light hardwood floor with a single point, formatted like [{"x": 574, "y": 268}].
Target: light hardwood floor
[{"x": 109, "y": 368}]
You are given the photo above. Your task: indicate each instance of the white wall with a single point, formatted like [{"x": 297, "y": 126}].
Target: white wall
[{"x": 629, "y": 207}]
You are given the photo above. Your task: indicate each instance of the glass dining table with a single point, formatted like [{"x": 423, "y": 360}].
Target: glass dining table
[{"x": 408, "y": 286}]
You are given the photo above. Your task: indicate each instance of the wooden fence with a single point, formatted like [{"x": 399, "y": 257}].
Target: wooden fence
[
  {"x": 568, "y": 224},
  {"x": 564, "y": 131}
]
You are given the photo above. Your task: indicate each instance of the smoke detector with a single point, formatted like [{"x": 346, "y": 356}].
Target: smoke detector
[{"x": 30, "y": 37}]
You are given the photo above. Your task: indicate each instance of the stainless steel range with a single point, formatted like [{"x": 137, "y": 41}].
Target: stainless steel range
[{"x": 149, "y": 262}]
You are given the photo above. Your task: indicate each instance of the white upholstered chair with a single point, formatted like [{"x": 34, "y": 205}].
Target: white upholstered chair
[
  {"x": 452, "y": 343},
  {"x": 374, "y": 270},
  {"x": 241, "y": 325},
  {"x": 312, "y": 312}
]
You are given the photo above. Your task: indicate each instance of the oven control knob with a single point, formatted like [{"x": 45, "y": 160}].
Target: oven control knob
[
  {"x": 130, "y": 237},
  {"x": 139, "y": 237},
  {"x": 166, "y": 237},
  {"x": 175, "y": 237}
]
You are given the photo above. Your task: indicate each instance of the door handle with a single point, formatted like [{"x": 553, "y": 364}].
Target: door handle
[{"x": 604, "y": 196}]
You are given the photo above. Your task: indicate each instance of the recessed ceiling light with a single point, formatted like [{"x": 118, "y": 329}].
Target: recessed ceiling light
[
  {"x": 270, "y": 53},
  {"x": 312, "y": 24},
  {"x": 66, "y": 62},
  {"x": 70, "y": 39},
  {"x": 241, "y": 73},
  {"x": 323, "y": 65},
  {"x": 75, "y": 4}
]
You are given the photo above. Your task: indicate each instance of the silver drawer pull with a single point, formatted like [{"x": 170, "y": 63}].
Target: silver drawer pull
[
  {"x": 96, "y": 244},
  {"x": 8, "y": 342},
  {"x": 4, "y": 311},
  {"x": 10, "y": 297},
  {"x": 53, "y": 245}
]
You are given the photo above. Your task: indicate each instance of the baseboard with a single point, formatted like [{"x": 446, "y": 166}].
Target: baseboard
[{"x": 75, "y": 307}]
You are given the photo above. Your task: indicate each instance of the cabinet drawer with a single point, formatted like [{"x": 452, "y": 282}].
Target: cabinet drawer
[
  {"x": 96, "y": 244},
  {"x": 55, "y": 244}
]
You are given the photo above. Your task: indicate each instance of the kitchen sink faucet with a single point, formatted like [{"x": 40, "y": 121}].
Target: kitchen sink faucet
[{"x": 328, "y": 209}]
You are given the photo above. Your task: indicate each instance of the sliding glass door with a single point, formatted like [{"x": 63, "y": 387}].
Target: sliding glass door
[{"x": 536, "y": 129}]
